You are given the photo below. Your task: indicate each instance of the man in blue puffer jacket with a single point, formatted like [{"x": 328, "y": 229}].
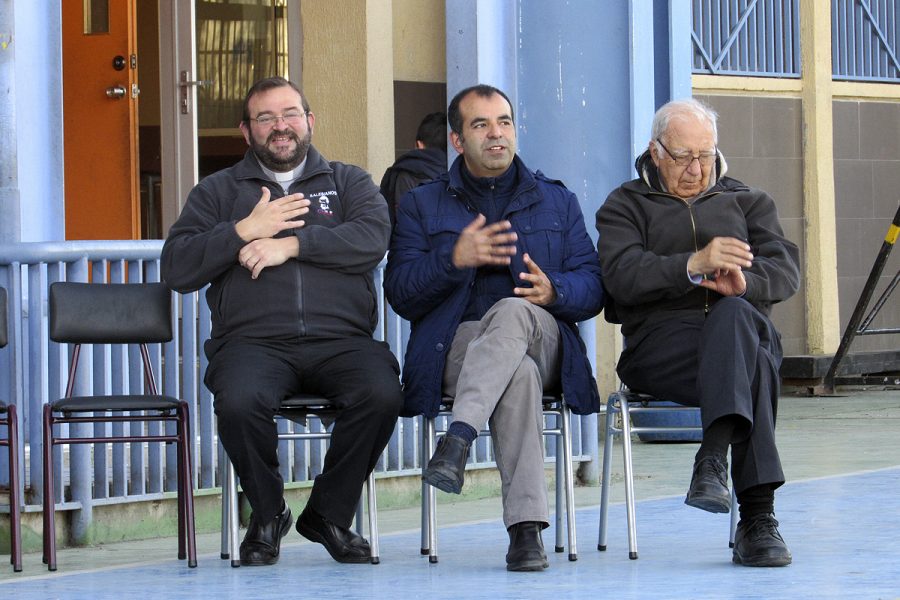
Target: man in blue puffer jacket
[{"x": 493, "y": 266}]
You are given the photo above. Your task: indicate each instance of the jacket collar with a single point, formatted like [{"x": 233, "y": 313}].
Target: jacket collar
[{"x": 525, "y": 183}]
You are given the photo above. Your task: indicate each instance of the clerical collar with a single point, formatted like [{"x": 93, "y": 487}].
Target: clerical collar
[{"x": 283, "y": 178}]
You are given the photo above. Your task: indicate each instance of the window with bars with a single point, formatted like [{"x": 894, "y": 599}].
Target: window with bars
[{"x": 762, "y": 38}]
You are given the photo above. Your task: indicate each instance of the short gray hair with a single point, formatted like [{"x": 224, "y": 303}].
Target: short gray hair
[{"x": 687, "y": 106}]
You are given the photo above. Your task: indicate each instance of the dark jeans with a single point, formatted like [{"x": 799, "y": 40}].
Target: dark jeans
[
  {"x": 727, "y": 364},
  {"x": 250, "y": 378}
]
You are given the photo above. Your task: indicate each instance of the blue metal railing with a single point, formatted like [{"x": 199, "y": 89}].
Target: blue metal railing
[
  {"x": 746, "y": 37},
  {"x": 865, "y": 43},
  {"x": 33, "y": 371}
]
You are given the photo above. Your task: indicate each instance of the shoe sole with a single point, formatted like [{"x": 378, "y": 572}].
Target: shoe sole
[
  {"x": 442, "y": 480},
  {"x": 533, "y": 565},
  {"x": 274, "y": 559},
  {"x": 709, "y": 503},
  {"x": 314, "y": 536},
  {"x": 781, "y": 561}
]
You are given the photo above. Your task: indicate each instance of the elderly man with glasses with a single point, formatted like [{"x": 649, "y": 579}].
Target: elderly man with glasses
[
  {"x": 288, "y": 242},
  {"x": 692, "y": 263}
]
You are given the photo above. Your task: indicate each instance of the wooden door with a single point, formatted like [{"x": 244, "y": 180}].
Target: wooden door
[{"x": 100, "y": 119}]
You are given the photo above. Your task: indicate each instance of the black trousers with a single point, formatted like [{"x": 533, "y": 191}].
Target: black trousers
[
  {"x": 727, "y": 364},
  {"x": 250, "y": 378}
]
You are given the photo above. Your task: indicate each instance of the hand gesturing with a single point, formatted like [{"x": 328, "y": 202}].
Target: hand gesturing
[
  {"x": 480, "y": 245},
  {"x": 541, "y": 291}
]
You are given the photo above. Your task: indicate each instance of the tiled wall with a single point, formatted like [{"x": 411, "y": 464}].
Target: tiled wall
[
  {"x": 760, "y": 138},
  {"x": 867, "y": 193}
]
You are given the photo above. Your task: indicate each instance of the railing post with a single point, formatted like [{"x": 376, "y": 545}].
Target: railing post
[{"x": 80, "y": 471}]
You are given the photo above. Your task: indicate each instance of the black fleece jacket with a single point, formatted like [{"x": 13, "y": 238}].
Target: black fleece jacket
[
  {"x": 647, "y": 236},
  {"x": 327, "y": 291}
]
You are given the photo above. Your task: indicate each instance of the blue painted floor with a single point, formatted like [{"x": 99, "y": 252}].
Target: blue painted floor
[{"x": 843, "y": 531}]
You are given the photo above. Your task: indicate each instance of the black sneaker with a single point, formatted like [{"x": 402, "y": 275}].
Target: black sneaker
[
  {"x": 757, "y": 543},
  {"x": 709, "y": 485}
]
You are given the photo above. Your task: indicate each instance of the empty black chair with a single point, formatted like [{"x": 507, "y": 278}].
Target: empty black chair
[
  {"x": 8, "y": 418},
  {"x": 96, "y": 313}
]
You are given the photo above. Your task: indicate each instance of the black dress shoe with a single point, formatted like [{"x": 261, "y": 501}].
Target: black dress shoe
[
  {"x": 447, "y": 468},
  {"x": 757, "y": 543},
  {"x": 526, "y": 549},
  {"x": 709, "y": 485},
  {"x": 262, "y": 543},
  {"x": 344, "y": 545}
]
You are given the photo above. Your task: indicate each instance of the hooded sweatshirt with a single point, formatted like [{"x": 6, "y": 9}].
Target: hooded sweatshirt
[{"x": 647, "y": 235}]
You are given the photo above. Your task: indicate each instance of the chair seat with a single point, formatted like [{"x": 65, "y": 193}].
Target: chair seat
[
  {"x": 120, "y": 402},
  {"x": 549, "y": 398},
  {"x": 296, "y": 408}
]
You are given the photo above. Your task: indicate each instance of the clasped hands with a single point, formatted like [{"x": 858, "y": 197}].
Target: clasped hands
[
  {"x": 479, "y": 245},
  {"x": 721, "y": 262},
  {"x": 267, "y": 219}
]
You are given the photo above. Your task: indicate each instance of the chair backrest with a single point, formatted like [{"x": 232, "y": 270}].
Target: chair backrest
[
  {"x": 110, "y": 313},
  {"x": 3, "y": 326}
]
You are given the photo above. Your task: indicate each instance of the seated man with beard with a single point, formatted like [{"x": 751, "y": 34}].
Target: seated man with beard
[{"x": 288, "y": 241}]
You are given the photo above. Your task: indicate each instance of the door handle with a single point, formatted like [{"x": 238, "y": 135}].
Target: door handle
[
  {"x": 116, "y": 92},
  {"x": 186, "y": 83}
]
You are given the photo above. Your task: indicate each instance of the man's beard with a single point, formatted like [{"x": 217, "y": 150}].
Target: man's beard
[{"x": 279, "y": 164}]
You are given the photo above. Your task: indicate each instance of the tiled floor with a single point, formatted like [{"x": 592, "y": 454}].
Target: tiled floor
[{"x": 839, "y": 513}]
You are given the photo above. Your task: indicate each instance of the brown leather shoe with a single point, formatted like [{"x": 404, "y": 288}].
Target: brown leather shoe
[
  {"x": 262, "y": 543},
  {"x": 344, "y": 545}
]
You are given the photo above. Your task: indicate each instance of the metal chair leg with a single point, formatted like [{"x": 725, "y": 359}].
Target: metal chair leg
[
  {"x": 49, "y": 503},
  {"x": 430, "y": 498},
  {"x": 629, "y": 480},
  {"x": 225, "y": 544},
  {"x": 233, "y": 520},
  {"x": 15, "y": 502},
  {"x": 186, "y": 493},
  {"x": 566, "y": 417},
  {"x": 560, "y": 487},
  {"x": 607, "y": 473},
  {"x": 373, "y": 519}
]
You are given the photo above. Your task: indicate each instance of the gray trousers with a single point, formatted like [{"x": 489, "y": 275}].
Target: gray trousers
[{"x": 497, "y": 370}]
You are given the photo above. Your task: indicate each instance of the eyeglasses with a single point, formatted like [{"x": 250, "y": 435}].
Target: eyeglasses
[
  {"x": 290, "y": 118},
  {"x": 684, "y": 159}
]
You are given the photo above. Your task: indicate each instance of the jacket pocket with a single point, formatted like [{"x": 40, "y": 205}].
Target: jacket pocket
[
  {"x": 446, "y": 229},
  {"x": 541, "y": 235}
]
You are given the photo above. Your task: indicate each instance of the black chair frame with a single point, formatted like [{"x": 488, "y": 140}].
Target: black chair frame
[
  {"x": 12, "y": 445},
  {"x": 82, "y": 313}
]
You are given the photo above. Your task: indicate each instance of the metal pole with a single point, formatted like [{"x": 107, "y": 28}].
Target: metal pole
[{"x": 864, "y": 298}]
